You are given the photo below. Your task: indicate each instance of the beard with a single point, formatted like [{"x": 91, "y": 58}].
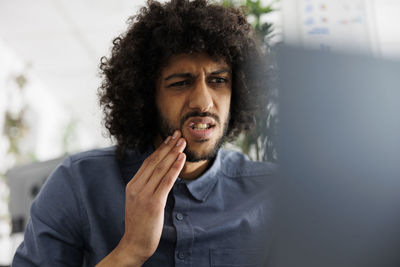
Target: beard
[{"x": 166, "y": 129}]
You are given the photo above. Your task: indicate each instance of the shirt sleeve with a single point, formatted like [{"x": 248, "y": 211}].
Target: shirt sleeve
[{"x": 54, "y": 236}]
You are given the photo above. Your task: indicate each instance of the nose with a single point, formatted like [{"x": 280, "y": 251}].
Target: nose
[{"x": 201, "y": 98}]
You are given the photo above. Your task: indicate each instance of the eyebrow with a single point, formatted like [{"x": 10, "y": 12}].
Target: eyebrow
[
  {"x": 221, "y": 71},
  {"x": 178, "y": 75},
  {"x": 187, "y": 74}
]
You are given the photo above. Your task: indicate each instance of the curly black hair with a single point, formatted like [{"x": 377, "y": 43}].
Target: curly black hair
[{"x": 158, "y": 31}]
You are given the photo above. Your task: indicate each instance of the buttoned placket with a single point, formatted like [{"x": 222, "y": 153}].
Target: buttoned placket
[{"x": 181, "y": 222}]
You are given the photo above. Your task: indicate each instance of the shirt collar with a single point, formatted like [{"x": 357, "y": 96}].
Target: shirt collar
[{"x": 201, "y": 187}]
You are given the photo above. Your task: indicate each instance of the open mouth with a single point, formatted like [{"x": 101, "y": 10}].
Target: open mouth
[{"x": 200, "y": 126}]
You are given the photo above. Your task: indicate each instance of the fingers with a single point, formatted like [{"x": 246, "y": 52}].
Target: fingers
[
  {"x": 170, "y": 177},
  {"x": 159, "y": 154},
  {"x": 165, "y": 165},
  {"x": 156, "y": 163}
]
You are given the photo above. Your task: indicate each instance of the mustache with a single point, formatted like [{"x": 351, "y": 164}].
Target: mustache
[{"x": 198, "y": 114}]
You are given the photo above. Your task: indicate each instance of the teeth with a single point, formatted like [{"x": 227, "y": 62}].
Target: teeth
[{"x": 201, "y": 126}]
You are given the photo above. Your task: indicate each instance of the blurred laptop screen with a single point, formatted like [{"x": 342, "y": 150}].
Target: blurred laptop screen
[{"x": 339, "y": 153}]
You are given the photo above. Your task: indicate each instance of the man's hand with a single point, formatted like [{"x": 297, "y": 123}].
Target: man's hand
[{"x": 146, "y": 197}]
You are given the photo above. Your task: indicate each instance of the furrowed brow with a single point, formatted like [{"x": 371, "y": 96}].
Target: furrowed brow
[
  {"x": 224, "y": 70},
  {"x": 178, "y": 75}
]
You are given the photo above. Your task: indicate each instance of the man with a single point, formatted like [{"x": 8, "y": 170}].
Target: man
[{"x": 182, "y": 79}]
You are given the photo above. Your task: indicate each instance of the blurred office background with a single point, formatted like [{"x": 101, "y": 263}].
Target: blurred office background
[{"x": 49, "y": 56}]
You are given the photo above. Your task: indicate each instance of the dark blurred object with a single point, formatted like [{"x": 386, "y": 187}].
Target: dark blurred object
[
  {"x": 339, "y": 147},
  {"x": 25, "y": 182}
]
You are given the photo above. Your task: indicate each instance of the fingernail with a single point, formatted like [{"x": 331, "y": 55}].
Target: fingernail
[
  {"x": 181, "y": 156},
  {"x": 167, "y": 140},
  {"x": 179, "y": 142},
  {"x": 175, "y": 134}
]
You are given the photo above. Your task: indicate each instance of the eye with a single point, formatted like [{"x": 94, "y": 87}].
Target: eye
[
  {"x": 218, "y": 80},
  {"x": 179, "y": 84}
]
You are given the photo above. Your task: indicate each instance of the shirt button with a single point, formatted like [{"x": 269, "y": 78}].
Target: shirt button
[
  {"x": 179, "y": 216},
  {"x": 181, "y": 255}
]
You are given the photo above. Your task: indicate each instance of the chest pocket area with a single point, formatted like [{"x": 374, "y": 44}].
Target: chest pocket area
[{"x": 227, "y": 257}]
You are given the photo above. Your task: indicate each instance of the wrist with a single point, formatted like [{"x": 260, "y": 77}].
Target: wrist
[
  {"x": 131, "y": 254},
  {"x": 128, "y": 256},
  {"x": 122, "y": 255}
]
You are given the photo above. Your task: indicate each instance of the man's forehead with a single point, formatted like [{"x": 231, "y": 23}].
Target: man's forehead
[{"x": 190, "y": 62}]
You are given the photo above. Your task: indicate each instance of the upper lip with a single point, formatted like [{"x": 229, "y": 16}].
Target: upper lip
[{"x": 203, "y": 120}]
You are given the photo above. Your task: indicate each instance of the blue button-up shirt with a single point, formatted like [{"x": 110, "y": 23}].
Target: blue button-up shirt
[{"x": 223, "y": 218}]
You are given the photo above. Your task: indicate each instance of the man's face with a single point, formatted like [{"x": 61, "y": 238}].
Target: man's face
[{"x": 193, "y": 94}]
